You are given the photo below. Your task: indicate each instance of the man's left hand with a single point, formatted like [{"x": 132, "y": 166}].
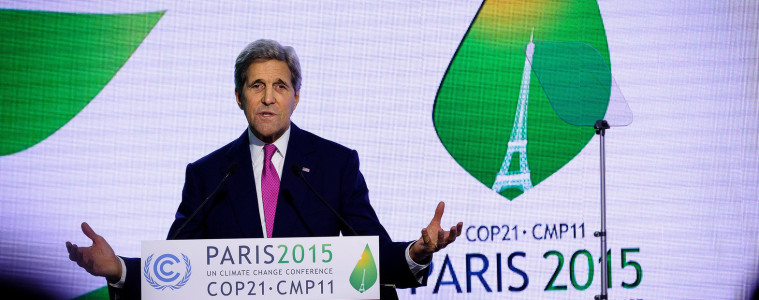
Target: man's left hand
[{"x": 434, "y": 237}]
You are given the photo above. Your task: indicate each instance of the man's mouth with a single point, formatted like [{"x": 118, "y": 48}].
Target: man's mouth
[{"x": 266, "y": 114}]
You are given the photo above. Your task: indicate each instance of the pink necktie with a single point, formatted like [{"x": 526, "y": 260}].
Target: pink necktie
[{"x": 269, "y": 188}]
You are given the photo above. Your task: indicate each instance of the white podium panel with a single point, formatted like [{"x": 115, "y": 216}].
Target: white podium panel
[{"x": 277, "y": 268}]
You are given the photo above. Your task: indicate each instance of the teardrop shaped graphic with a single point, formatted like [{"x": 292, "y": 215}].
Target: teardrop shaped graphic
[
  {"x": 491, "y": 113},
  {"x": 364, "y": 275},
  {"x": 53, "y": 64}
]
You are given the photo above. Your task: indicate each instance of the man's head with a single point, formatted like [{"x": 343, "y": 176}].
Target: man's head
[{"x": 267, "y": 86}]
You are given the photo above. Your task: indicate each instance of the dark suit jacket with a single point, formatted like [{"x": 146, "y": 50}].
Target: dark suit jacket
[{"x": 233, "y": 213}]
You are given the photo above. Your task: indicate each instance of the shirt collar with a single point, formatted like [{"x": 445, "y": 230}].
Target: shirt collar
[{"x": 257, "y": 146}]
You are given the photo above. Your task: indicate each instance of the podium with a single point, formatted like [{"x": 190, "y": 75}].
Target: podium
[{"x": 272, "y": 268}]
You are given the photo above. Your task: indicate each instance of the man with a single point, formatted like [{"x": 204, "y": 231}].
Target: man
[{"x": 264, "y": 198}]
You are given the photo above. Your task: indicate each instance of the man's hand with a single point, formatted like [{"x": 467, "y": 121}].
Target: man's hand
[
  {"x": 434, "y": 237},
  {"x": 98, "y": 259}
]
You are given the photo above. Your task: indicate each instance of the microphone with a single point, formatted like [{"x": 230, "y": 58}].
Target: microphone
[
  {"x": 299, "y": 172},
  {"x": 232, "y": 168},
  {"x": 387, "y": 291}
]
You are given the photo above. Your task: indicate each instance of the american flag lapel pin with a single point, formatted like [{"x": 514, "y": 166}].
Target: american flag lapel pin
[{"x": 304, "y": 169}]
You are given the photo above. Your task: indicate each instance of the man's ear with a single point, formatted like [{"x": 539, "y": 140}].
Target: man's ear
[
  {"x": 296, "y": 98},
  {"x": 239, "y": 99}
]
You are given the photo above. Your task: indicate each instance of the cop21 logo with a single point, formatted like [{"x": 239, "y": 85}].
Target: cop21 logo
[
  {"x": 364, "y": 274},
  {"x": 164, "y": 274},
  {"x": 481, "y": 110}
]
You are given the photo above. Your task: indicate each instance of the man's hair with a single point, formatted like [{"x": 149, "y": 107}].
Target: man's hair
[{"x": 266, "y": 50}]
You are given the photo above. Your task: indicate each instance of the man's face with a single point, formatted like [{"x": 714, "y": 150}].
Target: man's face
[{"x": 268, "y": 98}]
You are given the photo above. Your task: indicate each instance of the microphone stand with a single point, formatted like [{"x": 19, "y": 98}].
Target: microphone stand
[{"x": 387, "y": 291}]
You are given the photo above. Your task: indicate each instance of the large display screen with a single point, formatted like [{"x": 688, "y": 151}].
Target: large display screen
[{"x": 104, "y": 103}]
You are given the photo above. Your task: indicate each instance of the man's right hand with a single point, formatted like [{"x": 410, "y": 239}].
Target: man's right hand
[{"x": 98, "y": 259}]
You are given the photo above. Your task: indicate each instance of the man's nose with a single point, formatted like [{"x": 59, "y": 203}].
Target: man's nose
[{"x": 268, "y": 98}]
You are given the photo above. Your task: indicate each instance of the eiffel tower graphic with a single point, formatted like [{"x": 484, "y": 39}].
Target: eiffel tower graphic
[
  {"x": 361, "y": 290},
  {"x": 518, "y": 140}
]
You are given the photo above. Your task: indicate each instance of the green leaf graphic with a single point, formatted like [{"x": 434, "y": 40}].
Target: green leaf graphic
[
  {"x": 478, "y": 100},
  {"x": 98, "y": 294},
  {"x": 364, "y": 275},
  {"x": 53, "y": 64}
]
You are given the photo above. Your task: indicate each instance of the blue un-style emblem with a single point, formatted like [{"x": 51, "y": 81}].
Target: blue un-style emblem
[{"x": 165, "y": 274}]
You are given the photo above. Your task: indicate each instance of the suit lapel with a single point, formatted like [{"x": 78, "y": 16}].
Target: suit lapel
[
  {"x": 292, "y": 191},
  {"x": 242, "y": 189}
]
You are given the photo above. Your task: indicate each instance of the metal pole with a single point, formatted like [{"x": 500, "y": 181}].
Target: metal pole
[{"x": 601, "y": 127}]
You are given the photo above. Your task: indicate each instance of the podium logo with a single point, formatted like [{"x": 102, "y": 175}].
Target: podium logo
[
  {"x": 364, "y": 275},
  {"x": 481, "y": 110},
  {"x": 166, "y": 274}
]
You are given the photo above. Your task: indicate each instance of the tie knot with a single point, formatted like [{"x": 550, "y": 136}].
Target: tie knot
[{"x": 269, "y": 150}]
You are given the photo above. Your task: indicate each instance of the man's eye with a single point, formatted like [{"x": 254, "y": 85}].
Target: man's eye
[{"x": 282, "y": 86}]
